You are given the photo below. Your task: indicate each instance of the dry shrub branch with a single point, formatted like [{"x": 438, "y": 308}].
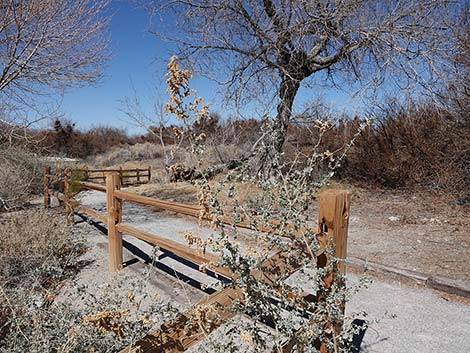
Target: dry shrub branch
[{"x": 286, "y": 196}]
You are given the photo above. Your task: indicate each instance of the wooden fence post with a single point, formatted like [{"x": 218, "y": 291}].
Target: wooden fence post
[
  {"x": 150, "y": 173},
  {"x": 87, "y": 174},
  {"x": 118, "y": 202},
  {"x": 114, "y": 209},
  {"x": 333, "y": 221},
  {"x": 68, "y": 197},
  {"x": 47, "y": 196},
  {"x": 138, "y": 174}
]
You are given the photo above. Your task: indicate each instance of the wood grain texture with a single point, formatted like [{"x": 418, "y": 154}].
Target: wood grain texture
[
  {"x": 334, "y": 212},
  {"x": 93, "y": 213},
  {"x": 92, "y": 186},
  {"x": 114, "y": 235}
]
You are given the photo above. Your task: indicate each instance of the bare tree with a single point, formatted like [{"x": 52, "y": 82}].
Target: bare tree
[
  {"x": 45, "y": 46},
  {"x": 457, "y": 90},
  {"x": 50, "y": 45},
  {"x": 274, "y": 44}
]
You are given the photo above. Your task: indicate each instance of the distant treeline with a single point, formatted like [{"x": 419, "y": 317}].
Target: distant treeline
[{"x": 421, "y": 146}]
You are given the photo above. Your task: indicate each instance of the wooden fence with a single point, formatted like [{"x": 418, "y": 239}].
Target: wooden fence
[
  {"x": 127, "y": 176},
  {"x": 173, "y": 336}
]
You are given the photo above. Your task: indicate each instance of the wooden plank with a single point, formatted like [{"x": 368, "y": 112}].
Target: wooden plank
[
  {"x": 179, "y": 249},
  {"x": 114, "y": 235},
  {"x": 102, "y": 170},
  {"x": 274, "y": 269},
  {"x": 189, "y": 327},
  {"x": 96, "y": 177},
  {"x": 333, "y": 220},
  {"x": 118, "y": 202},
  {"x": 93, "y": 213},
  {"x": 80, "y": 208},
  {"x": 130, "y": 170},
  {"x": 334, "y": 212},
  {"x": 92, "y": 186},
  {"x": 68, "y": 198},
  {"x": 126, "y": 180},
  {"x": 167, "y": 205},
  {"x": 195, "y": 211}
]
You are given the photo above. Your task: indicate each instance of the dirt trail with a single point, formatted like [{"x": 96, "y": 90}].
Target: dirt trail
[
  {"x": 402, "y": 318},
  {"x": 418, "y": 233}
]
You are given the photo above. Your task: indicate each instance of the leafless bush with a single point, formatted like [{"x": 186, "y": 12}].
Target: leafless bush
[
  {"x": 38, "y": 252},
  {"x": 138, "y": 152},
  {"x": 424, "y": 146},
  {"x": 36, "y": 249},
  {"x": 64, "y": 138},
  {"x": 415, "y": 145},
  {"x": 21, "y": 176}
]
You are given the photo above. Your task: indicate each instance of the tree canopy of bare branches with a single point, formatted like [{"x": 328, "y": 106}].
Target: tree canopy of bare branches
[
  {"x": 50, "y": 44},
  {"x": 277, "y": 45},
  {"x": 46, "y": 46}
]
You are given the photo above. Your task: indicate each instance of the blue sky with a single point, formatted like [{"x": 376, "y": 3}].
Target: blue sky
[
  {"x": 138, "y": 66},
  {"x": 132, "y": 65}
]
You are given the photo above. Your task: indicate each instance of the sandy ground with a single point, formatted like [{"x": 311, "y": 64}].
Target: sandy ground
[
  {"x": 418, "y": 232},
  {"x": 402, "y": 318}
]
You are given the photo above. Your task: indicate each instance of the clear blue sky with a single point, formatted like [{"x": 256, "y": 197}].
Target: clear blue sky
[
  {"x": 132, "y": 64},
  {"x": 138, "y": 64}
]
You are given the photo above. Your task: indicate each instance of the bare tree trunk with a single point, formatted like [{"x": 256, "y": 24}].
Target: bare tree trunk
[
  {"x": 287, "y": 93},
  {"x": 266, "y": 159}
]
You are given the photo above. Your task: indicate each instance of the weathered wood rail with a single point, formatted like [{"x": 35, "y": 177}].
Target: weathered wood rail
[
  {"x": 174, "y": 336},
  {"x": 128, "y": 176}
]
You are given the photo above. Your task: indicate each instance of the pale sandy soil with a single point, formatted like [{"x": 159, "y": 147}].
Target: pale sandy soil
[{"x": 420, "y": 233}]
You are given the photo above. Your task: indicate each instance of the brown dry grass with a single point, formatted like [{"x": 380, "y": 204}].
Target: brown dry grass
[
  {"x": 36, "y": 248},
  {"x": 177, "y": 192},
  {"x": 188, "y": 193},
  {"x": 21, "y": 176}
]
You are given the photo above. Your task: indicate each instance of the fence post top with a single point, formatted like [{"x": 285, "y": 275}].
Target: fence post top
[{"x": 333, "y": 192}]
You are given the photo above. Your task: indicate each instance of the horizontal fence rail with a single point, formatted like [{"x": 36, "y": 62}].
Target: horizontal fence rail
[
  {"x": 128, "y": 176},
  {"x": 333, "y": 218},
  {"x": 189, "y": 210}
]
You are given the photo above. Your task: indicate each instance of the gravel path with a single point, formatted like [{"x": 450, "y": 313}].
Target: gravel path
[{"x": 401, "y": 318}]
